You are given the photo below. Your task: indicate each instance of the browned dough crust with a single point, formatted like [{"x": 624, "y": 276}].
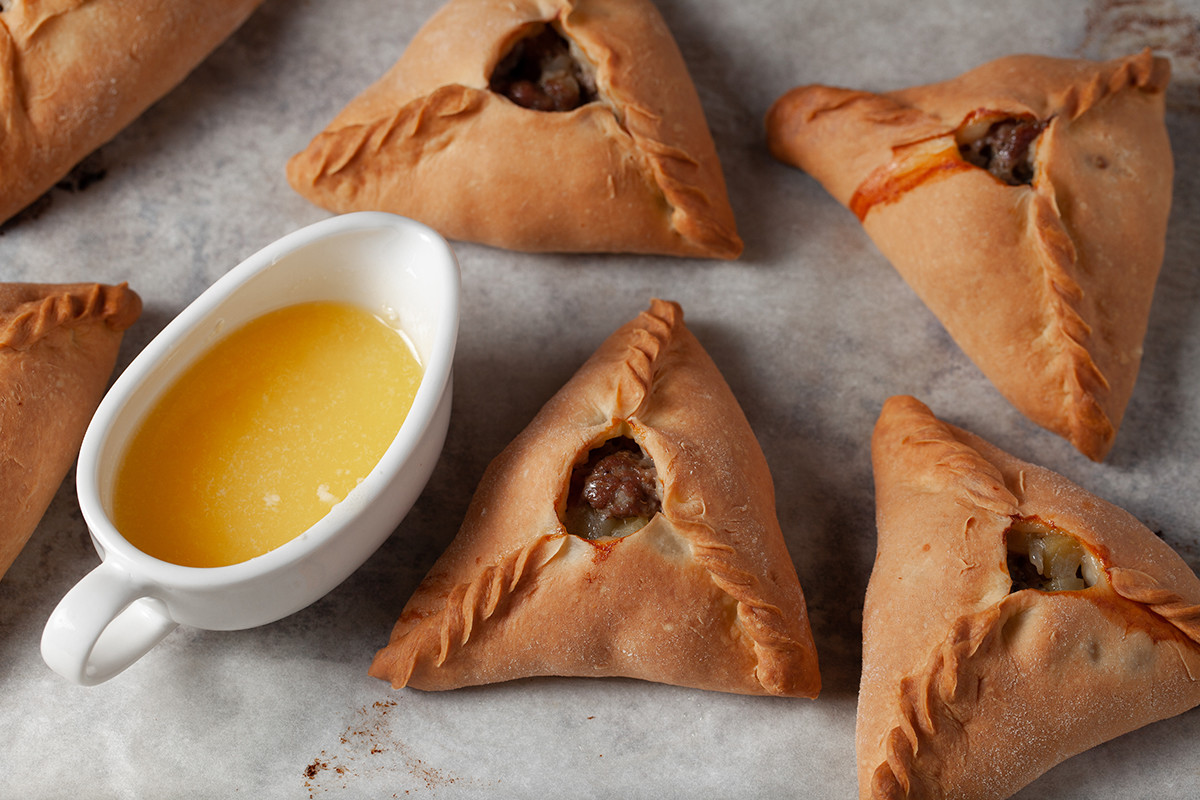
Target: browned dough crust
[
  {"x": 635, "y": 172},
  {"x": 969, "y": 690},
  {"x": 58, "y": 345},
  {"x": 705, "y": 595},
  {"x": 73, "y": 73},
  {"x": 1046, "y": 287}
]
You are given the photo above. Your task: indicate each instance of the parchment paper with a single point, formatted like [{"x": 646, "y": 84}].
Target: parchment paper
[{"x": 811, "y": 327}]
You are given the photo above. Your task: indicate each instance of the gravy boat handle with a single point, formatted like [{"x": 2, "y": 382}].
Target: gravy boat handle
[{"x": 103, "y": 625}]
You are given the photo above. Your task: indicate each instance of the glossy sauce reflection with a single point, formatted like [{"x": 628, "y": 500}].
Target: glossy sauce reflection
[{"x": 256, "y": 441}]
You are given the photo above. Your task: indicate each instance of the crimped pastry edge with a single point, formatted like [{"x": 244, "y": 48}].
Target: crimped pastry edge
[
  {"x": 30, "y": 318},
  {"x": 779, "y": 655}
]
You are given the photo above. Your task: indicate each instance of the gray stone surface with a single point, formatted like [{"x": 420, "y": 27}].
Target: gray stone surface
[{"x": 811, "y": 327}]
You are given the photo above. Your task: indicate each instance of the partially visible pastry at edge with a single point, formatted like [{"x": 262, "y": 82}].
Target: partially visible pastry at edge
[
  {"x": 1026, "y": 203},
  {"x": 1012, "y": 619},
  {"x": 58, "y": 346},
  {"x": 73, "y": 73},
  {"x": 629, "y": 530},
  {"x": 534, "y": 125}
]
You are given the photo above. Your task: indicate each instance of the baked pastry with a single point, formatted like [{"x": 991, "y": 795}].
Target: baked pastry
[
  {"x": 73, "y": 73},
  {"x": 1026, "y": 203},
  {"x": 629, "y": 530},
  {"x": 1012, "y": 619},
  {"x": 58, "y": 345},
  {"x": 535, "y": 125}
]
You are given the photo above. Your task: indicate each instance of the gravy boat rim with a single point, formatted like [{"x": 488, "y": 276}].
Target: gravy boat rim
[{"x": 98, "y": 452}]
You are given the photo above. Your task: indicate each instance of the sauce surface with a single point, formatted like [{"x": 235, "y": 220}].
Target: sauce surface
[{"x": 256, "y": 441}]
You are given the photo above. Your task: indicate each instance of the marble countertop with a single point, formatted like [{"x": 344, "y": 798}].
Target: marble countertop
[{"x": 812, "y": 328}]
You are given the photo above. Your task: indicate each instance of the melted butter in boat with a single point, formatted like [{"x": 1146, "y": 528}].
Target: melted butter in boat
[{"x": 256, "y": 441}]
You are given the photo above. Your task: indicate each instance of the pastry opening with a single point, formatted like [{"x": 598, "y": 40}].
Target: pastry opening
[
  {"x": 613, "y": 493},
  {"x": 1047, "y": 559},
  {"x": 544, "y": 73},
  {"x": 1003, "y": 145}
]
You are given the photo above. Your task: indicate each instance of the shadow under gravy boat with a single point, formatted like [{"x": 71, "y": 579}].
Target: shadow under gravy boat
[{"x": 398, "y": 269}]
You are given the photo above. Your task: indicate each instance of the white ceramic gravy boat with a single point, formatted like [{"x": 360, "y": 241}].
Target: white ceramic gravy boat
[{"x": 397, "y": 268}]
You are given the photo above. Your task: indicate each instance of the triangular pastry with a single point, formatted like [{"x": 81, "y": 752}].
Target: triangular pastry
[
  {"x": 674, "y": 570},
  {"x": 534, "y": 125},
  {"x": 73, "y": 73},
  {"x": 1026, "y": 203},
  {"x": 58, "y": 345},
  {"x": 1012, "y": 619}
]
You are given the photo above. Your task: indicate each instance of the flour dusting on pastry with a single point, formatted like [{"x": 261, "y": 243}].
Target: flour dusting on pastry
[
  {"x": 629, "y": 530},
  {"x": 561, "y": 125},
  {"x": 73, "y": 73},
  {"x": 1000, "y": 638},
  {"x": 1026, "y": 203},
  {"x": 58, "y": 346}
]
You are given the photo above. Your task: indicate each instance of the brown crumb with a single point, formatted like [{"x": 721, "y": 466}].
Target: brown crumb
[{"x": 370, "y": 735}]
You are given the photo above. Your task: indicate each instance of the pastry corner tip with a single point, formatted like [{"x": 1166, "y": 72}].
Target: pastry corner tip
[
  {"x": 122, "y": 306},
  {"x": 385, "y": 667}
]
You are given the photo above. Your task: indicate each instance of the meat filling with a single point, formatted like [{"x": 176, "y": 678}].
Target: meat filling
[
  {"x": 1006, "y": 150},
  {"x": 1048, "y": 561},
  {"x": 541, "y": 74},
  {"x": 614, "y": 493}
]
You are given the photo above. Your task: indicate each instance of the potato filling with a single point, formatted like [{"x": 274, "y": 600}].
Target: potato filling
[
  {"x": 1048, "y": 560},
  {"x": 1005, "y": 147},
  {"x": 541, "y": 73},
  {"x": 613, "y": 493}
]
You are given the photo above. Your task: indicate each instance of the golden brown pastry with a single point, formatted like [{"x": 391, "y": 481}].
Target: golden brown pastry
[
  {"x": 1026, "y": 203},
  {"x": 630, "y": 530},
  {"x": 536, "y": 125},
  {"x": 58, "y": 345},
  {"x": 1011, "y": 621},
  {"x": 75, "y": 72}
]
